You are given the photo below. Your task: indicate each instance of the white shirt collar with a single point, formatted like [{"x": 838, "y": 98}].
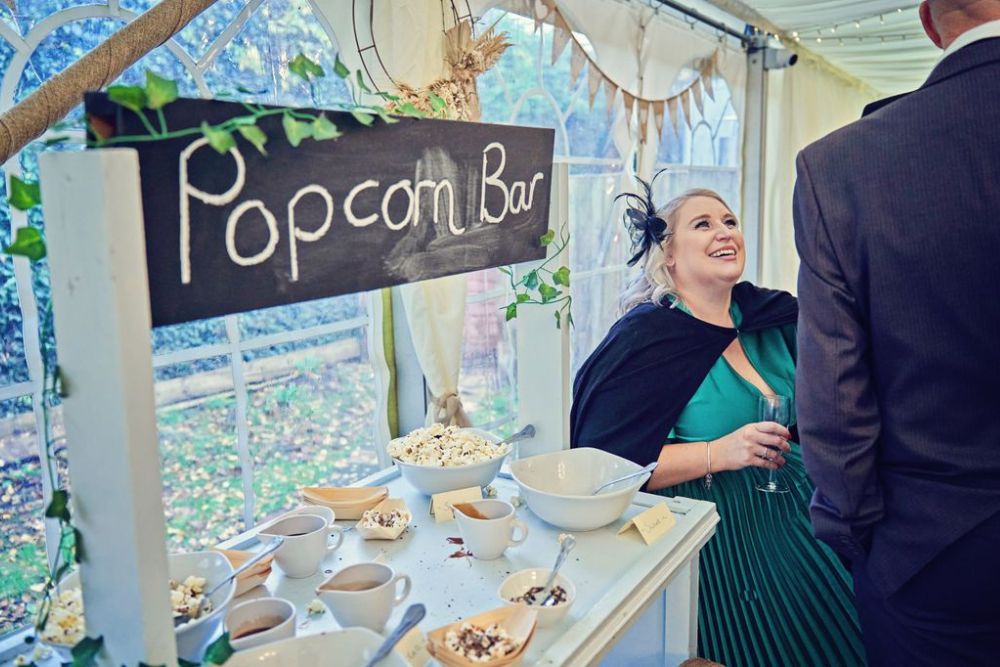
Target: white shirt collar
[{"x": 984, "y": 31}]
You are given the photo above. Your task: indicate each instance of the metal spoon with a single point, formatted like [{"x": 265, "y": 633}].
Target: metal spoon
[
  {"x": 525, "y": 433},
  {"x": 650, "y": 468},
  {"x": 414, "y": 614},
  {"x": 565, "y": 547},
  {"x": 195, "y": 610}
]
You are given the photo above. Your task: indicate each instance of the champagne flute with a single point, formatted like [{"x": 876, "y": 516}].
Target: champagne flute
[{"x": 774, "y": 408}]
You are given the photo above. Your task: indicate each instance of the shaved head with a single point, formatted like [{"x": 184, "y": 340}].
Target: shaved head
[{"x": 945, "y": 20}]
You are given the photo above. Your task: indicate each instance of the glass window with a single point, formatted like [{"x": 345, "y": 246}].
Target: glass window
[{"x": 305, "y": 407}]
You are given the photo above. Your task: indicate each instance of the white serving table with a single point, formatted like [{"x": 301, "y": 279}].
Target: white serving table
[
  {"x": 635, "y": 605},
  {"x": 622, "y": 584}
]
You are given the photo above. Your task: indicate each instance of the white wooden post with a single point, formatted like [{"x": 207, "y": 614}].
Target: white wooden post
[
  {"x": 100, "y": 292},
  {"x": 543, "y": 370}
]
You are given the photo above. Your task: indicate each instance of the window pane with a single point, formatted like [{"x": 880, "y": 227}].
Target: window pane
[
  {"x": 488, "y": 379},
  {"x": 13, "y": 367},
  {"x": 301, "y": 315},
  {"x": 597, "y": 297},
  {"x": 312, "y": 413},
  {"x": 202, "y": 487},
  {"x": 22, "y": 538}
]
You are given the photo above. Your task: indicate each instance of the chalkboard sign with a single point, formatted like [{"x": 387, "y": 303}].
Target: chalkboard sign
[{"x": 379, "y": 206}]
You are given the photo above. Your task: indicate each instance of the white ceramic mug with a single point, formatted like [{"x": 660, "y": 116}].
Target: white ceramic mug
[
  {"x": 363, "y": 594},
  {"x": 260, "y": 621},
  {"x": 306, "y": 541},
  {"x": 489, "y": 538}
]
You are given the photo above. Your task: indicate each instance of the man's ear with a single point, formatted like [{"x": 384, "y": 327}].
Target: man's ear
[{"x": 927, "y": 20}]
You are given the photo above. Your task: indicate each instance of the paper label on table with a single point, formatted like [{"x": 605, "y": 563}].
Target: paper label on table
[
  {"x": 413, "y": 648},
  {"x": 441, "y": 502},
  {"x": 652, "y": 524}
]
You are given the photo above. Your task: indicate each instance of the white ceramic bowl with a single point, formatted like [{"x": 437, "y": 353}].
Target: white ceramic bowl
[
  {"x": 193, "y": 637},
  {"x": 557, "y": 487},
  {"x": 340, "y": 648},
  {"x": 435, "y": 479},
  {"x": 520, "y": 582}
]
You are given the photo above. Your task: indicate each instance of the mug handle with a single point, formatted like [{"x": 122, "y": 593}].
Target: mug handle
[
  {"x": 339, "y": 532},
  {"x": 405, "y": 578},
  {"x": 516, "y": 523}
]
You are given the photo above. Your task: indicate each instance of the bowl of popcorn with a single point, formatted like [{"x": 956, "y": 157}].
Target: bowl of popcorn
[
  {"x": 497, "y": 637},
  {"x": 445, "y": 458},
  {"x": 385, "y": 521},
  {"x": 190, "y": 575},
  {"x": 525, "y": 587}
]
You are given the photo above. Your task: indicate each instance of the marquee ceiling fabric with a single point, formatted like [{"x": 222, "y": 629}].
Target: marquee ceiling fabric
[{"x": 880, "y": 42}]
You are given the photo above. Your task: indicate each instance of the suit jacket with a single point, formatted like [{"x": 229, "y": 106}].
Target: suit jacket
[{"x": 897, "y": 222}]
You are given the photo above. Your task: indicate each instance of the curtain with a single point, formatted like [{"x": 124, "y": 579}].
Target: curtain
[{"x": 805, "y": 102}]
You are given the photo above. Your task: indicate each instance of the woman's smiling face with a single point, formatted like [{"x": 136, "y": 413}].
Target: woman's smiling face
[{"x": 707, "y": 245}]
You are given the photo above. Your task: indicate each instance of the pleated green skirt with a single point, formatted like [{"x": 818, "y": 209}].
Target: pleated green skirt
[{"x": 769, "y": 593}]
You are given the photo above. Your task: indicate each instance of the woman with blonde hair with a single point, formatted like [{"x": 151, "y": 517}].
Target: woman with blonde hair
[{"x": 678, "y": 380}]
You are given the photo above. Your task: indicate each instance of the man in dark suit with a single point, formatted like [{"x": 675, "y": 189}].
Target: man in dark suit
[{"x": 897, "y": 222}]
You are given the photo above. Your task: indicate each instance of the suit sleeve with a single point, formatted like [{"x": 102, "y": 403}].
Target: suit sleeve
[{"x": 838, "y": 413}]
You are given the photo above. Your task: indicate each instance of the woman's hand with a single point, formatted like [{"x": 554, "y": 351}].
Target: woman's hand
[{"x": 758, "y": 444}]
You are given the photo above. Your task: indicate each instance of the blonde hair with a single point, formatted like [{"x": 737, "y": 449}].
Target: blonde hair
[{"x": 652, "y": 281}]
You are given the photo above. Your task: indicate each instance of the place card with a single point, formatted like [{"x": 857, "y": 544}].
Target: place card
[
  {"x": 441, "y": 502},
  {"x": 651, "y": 524},
  {"x": 413, "y": 648}
]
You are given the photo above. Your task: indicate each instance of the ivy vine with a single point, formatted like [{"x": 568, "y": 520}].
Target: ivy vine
[{"x": 543, "y": 285}]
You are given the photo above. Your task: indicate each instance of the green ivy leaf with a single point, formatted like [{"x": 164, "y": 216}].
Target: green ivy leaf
[
  {"x": 130, "y": 97},
  {"x": 531, "y": 280},
  {"x": 28, "y": 243},
  {"x": 219, "y": 651},
  {"x": 504, "y": 270},
  {"x": 323, "y": 128},
  {"x": 547, "y": 237},
  {"x": 511, "y": 312},
  {"x": 86, "y": 650},
  {"x": 386, "y": 118},
  {"x": 548, "y": 292},
  {"x": 365, "y": 119},
  {"x": 437, "y": 103},
  {"x": 301, "y": 65},
  {"x": 340, "y": 69},
  {"x": 78, "y": 552},
  {"x": 24, "y": 194},
  {"x": 254, "y": 135},
  {"x": 561, "y": 277},
  {"x": 219, "y": 139},
  {"x": 247, "y": 91},
  {"x": 181, "y": 662},
  {"x": 295, "y": 130},
  {"x": 410, "y": 109},
  {"x": 159, "y": 91},
  {"x": 361, "y": 83},
  {"x": 521, "y": 298},
  {"x": 569, "y": 318},
  {"x": 558, "y": 320},
  {"x": 54, "y": 141},
  {"x": 59, "y": 506}
]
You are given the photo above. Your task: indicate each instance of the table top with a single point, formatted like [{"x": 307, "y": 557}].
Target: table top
[{"x": 615, "y": 575}]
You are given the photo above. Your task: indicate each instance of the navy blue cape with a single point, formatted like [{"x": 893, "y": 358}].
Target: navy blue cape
[{"x": 629, "y": 393}]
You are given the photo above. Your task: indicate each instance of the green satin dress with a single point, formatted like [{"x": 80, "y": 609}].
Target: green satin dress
[{"x": 770, "y": 593}]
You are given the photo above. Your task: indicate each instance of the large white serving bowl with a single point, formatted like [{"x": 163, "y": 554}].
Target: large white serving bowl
[
  {"x": 557, "y": 487},
  {"x": 436, "y": 479},
  {"x": 193, "y": 637},
  {"x": 351, "y": 647}
]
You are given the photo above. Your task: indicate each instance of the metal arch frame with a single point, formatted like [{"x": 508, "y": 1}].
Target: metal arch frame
[{"x": 363, "y": 31}]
